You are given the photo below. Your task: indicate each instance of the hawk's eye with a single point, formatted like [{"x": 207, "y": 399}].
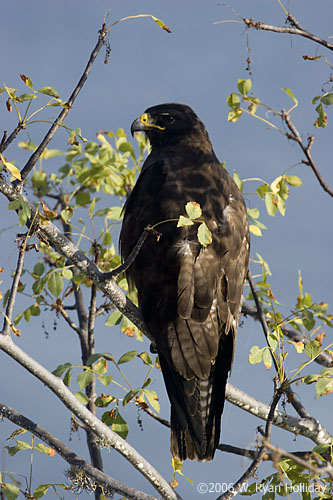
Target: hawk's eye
[{"x": 168, "y": 118}]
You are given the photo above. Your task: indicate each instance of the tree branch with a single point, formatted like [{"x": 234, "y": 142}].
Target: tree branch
[
  {"x": 56, "y": 385},
  {"x": 56, "y": 124},
  {"x": 298, "y": 30},
  {"x": 102, "y": 479},
  {"x": 13, "y": 291},
  {"x": 306, "y": 427},
  {"x": 295, "y": 136},
  {"x": 260, "y": 456}
]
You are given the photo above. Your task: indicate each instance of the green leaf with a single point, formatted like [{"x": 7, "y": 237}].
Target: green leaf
[
  {"x": 253, "y": 212},
  {"x": 27, "y": 81},
  {"x": 85, "y": 378},
  {"x": 67, "y": 378},
  {"x": 82, "y": 198},
  {"x": 322, "y": 117},
  {"x": 289, "y": 92},
  {"x": 42, "y": 448},
  {"x": 104, "y": 400},
  {"x": 234, "y": 115},
  {"x": 271, "y": 204},
  {"x": 39, "y": 269},
  {"x": 244, "y": 86},
  {"x": 50, "y": 91},
  {"x": 55, "y": 283},
  {"x": 327, "y": 99},
  {"x": 324, "y": 386},
  {"x": 312, "y": 349},
  {"x": 193, "y": 210},
  {"x": 256, "y": 355},
  {"x": 41, "y": 490},
  {"x": 255, "y": 230},
  {"x": 94, "y": 357},
  {"x": 114, "y": 318},
  {"x": 101, "y": 366},
  {"x": 27, "y": 97},
  {"x": 82, "y": 398},
  {"x": 105, "y": 379},
  {"x": 152, "y": 399},
  {"x": 267, "y": 358},
  {"x": 128, "y": 356},
  {"x": 145, "y": 357},
  {"x": 293, "y": 180},
  {"x": 14, "y": 205},
  {"x": 20, "y": 445},
  {"x": 204, "y": 235},
  {"x": 60, "y": 370},
  {"x": 130, "y": 395},
  {"x": 10, "y": 491},
  {"x": 238, "y": 181},
  {"x": 66, "y": 214},
  {"x": 233, "y": 100},
  {"x": 161, "y": 24},
  {"x": 67, "y": 274},
  {"x": 184, "y": 221}
]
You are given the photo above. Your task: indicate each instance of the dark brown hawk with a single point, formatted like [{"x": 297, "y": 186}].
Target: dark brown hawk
[{"x": 189, "y": 295}]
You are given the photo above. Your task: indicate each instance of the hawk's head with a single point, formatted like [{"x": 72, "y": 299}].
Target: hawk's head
[{"x": 168, "y": 123}]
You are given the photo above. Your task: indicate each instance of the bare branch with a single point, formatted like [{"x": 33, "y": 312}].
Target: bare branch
[
  {"x": 56, "y": 124},
  {"x": 13, "y": 291},
  {"x": 6, "y": 141},
  {"x": 107, "y": 482},
  {"x": 56, "y": 385},
  {"x": 251, "y": 23},
  {"x": 306, "y": 427},
  {"x": 295, "y": 136}
]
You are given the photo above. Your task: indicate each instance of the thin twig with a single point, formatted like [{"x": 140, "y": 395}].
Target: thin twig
[
  {"x": 324, "y": 469},
  {"x": 56, "y": 124},
  {"x": 70, "y": 457},
  {"x": 132, "y": 256},
  {"x": 60, "y": 308},
  {"x": 295, "y": 136},
  {"x": 6, "y": 141},
  {"x": 294, "y": 400},
  {"x": 13, "y": 291},
  {"x": 260, "y": 456},
  {"x": 251, "y": 23},
  {"x": 323, "y": 359}
]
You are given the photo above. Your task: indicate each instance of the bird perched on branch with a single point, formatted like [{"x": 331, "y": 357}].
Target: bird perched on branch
[{"x": 189, "y": 293}]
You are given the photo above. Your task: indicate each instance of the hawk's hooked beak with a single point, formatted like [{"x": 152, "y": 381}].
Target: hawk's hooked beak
[{"x": 143, "y": 124}]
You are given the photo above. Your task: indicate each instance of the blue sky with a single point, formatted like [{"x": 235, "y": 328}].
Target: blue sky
[{"x": 197, "y": 64}]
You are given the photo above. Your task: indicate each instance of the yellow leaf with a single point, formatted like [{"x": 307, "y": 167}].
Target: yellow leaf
[
  {"x": 255, "y": 230},
  {"x": 11, "y": 167}
]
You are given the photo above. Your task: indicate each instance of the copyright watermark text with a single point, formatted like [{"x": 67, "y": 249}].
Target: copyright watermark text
[{"x": 217, "y": 487}]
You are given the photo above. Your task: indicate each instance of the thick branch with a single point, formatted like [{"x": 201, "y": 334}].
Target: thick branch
[
  {"x": 56, "y": 124},
  {"x": 71, "y": 458},
  {"x": 56, "y": 385},
  {"x": 306, "y": 427},
  {"x": 251, "y": 23},
  {"x": 7, "y": 140}
]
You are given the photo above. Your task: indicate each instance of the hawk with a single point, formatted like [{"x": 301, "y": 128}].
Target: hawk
[{"x": 190, "y": 295}]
